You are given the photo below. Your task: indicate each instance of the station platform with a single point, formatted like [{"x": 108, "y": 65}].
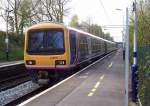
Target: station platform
[
  {"x": 99, "y": 85},
  {"x": 11, "y": 63}
]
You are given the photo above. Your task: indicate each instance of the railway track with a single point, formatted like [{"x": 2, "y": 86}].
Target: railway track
[{"x": 12, "y": 75}]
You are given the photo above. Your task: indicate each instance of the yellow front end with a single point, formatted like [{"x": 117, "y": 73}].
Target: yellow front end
[
  {"x": 38, "y": 61},
  {"x": 46, "y": 62}
]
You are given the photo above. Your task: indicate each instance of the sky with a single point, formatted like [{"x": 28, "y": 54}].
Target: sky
[{"x": 102, "y": 12}]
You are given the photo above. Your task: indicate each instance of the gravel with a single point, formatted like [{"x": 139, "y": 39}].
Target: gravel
[{"x": 17, "y": 92}]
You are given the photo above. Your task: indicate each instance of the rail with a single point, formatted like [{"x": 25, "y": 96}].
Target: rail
[{"x": 12, "y": 74}]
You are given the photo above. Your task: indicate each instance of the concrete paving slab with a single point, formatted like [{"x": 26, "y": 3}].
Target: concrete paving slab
[{"x": 110, "y": 91}]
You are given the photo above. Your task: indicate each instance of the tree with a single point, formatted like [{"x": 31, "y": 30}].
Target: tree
[
  {"x": 74, "y": 21},
  {"x": 50, "y": 10},
  {"x": 13, "y": 7},
  {"x": 86, "y": 25},
  {"x": 27, "y": 12},
  {"x": 143, "y": 15},
  {"x": 96, "y": 30},
  {"x": 143, "y": 41},
  {"x": 11, "y": 24},
  {"x": 108, "y": 37},
  {"x": 90, "y": 27}
]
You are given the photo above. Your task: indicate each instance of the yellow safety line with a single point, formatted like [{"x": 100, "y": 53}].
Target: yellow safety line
[
  {"x": 110, "y": 65},
  {"x": 91, "y": 93},
  {"x": 97, "y": 85},
  {"x": 102, "y": 77},
  {"x": 93, "y": 90}
]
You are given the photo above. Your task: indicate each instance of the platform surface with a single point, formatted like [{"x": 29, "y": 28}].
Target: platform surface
[
  {"x": 100, "y": 85},
  {"x": 10, "y": 63}
]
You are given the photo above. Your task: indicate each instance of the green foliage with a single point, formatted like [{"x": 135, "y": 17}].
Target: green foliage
[
  {"x": 144, "y": 74},
  {"x": 143, "y": 23},
  {"x": 74, "y": 21},
  {"x": 143, "y": 50},
  {"x": 2, "y": 43},
  {"x": 89, "y": 27},
  {"x": 96, "y": 30},
  {"x": 108, "y": 37},
  {"x": 14, "y": 54},
  {"x": 23, "y": 14},
  {"x": 15, "y": 48}
]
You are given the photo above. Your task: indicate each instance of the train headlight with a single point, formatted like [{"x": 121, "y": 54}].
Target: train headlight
[
  {"x": 60, "y": 62},
  {"x": 30, "y": 62}
]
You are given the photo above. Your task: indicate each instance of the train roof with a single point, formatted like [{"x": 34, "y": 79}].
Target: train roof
[
  {"x": 89, "y": 34},
  {"x": 58, "y": 25},
  {"x": 46, "y": 25}
]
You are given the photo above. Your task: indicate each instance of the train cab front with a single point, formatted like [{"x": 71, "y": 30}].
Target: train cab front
[{"x": 45, "y": 52}]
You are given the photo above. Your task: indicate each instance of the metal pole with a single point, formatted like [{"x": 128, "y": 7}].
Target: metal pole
[
  {"x": 6, "y": 39},
  {"x": 123, "y": 41},
  {"x": 134, "y": 66},
  {"x": 126, "y": 59},
  {"x": 123, "y": 37},
  {"x": 135, "y": 36}
]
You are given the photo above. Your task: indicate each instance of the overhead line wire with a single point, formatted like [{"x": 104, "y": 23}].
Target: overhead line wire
[{"x": 106, "y": 14}]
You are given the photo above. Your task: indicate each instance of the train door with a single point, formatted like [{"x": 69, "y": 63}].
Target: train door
[
  {"x": 72, "y": 39},
  {"x": 89, "y": 46}
]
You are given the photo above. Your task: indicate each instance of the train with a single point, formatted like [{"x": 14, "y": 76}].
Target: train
[{"x": 51, "y": 48}]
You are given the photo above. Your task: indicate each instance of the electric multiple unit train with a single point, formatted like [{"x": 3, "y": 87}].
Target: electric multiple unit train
[{"x": 51, "y": 47}]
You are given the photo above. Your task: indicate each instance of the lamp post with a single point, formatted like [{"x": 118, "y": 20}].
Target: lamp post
[
  {"x": 123, "y": 35},
  {"x": 134, "y": 66},
  {"x": 126, "y": 58},
  {"x": 7, "y": 37}
]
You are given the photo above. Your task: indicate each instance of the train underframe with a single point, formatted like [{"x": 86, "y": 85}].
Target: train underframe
[{"x": 45, "y": 76}]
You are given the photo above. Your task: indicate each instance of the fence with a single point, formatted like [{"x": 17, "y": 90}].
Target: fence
[{"x": 144, "y": 74}]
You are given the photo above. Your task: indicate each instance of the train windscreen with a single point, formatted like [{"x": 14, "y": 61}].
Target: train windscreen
[{"x": 50, "y": 42}]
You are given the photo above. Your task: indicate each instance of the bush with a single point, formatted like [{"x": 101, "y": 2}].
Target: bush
[{"x": 15, "y": 47}]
